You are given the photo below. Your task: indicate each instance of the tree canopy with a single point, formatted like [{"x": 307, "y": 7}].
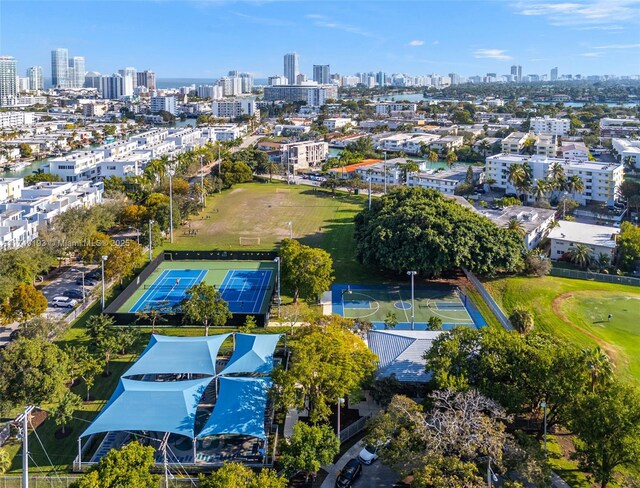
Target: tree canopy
[
  {"x": 309, "y": 447},
  {"x": 306, "y": 271},
  {"x": 233, "y": 475},
  {"x": 419, "y": 229},
  {"x": 204, "y": 304}
]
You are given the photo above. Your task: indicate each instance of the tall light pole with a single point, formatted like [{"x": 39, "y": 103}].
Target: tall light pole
[
  {"x": 340, "y": 403},
  {"x": 171, "y": 172},
  {"x": 385, "y": 172},
  {"x": 151, "y": 222},
  {"x": 491, "y": 476},
  {"x": 413, "y": 313},
  {"x": 290, "y": 229},
  {"x": 104, "y": 258},
  {"x": 544, "y": 406},
  {"x": 370, "y": 189},
  {"x": 277, "y": 260},
  {"x": 219, "y": 170},
  {"x": 202, "y": 195}
]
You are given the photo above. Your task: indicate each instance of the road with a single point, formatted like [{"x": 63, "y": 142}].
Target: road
[{"x": 376, "y": 475}]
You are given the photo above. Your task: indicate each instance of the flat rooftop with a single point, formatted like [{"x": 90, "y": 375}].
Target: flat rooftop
[
  {"x": 589, "y": 234},
  {"x": 529, "y": 217}
]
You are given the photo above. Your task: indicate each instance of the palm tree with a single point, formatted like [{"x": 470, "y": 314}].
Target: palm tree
[
  {"x": 515, "y": 225},
  {"x": 516, "y": 175},
  {"x": 451, "y": 158},
  {"x": 603, "y": 260},
  {"x": 484, "y": 146},
  {"x": 575, "y": 185},
  {"x": 580, "y": 254},
  {"x": 529, "y": 146},
  {"x": 432, "y": 157},
  {"x": 540, "y": 190},
  {"x": 600, "y": 366},
  {"x": 630, "y": 164}
]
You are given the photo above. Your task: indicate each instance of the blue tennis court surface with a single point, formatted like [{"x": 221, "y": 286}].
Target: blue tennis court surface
[
  {"x": 169, "y": 289},
  {"x": 244, "y": 290}
]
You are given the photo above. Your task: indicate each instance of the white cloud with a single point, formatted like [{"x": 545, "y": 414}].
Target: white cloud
[
  {"x": 491, "y": 54},
  {"x": 435, "y": 43},
  {"x": 262, "y": 20},
  {"x": 619, "y": 46},
  {"x": 352, "y": 29},
  {"x": 584, "y": 14},
  {"x": 591, "y": 55},
  {"x": 416, "y": 43},
  {"x": 315, "y": 16}
]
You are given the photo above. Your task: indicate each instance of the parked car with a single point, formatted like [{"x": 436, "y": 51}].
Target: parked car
[
  {"x": 351, "y": 472},
  {"x": 63, "y": 302},
  {"x": 77, "y": 294},
  {"x": 87, "y": 281},
  {"x": 368, "y": 454}
]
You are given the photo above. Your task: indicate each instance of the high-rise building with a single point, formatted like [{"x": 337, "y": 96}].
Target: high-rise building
[
  {"x": 554, "y": 74},
  {"x": 129, "y": 81},
  {"x": 163, "y": 104},
  {"x": 321, "y": 74},
  {"x": 92, "y": 79},
  {"x": 247, "y": 82},
  {"x": 36, "y": 81},
  {"x": 233, "y": 72},
  {"x": 455, "y": 78},
  {"x": 381, "y": 78},
  {"x": 76, "y": 72},
  {"x": 8, "y": 80},
  {"x": 60, "y": 68},
  {"x": 516, "y": 72},
  {"x": 112, "y": 87},
  {"x": 146, "y": 78},
  {"x": 277, "y": 80},
  {"x": 291, "y": 67}
]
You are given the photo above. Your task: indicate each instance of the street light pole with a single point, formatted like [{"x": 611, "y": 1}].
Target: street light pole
[
  {"x": 413, "y": 315},
  {"x": 202, "y": 195},
  {"x": 277, "y": 260},
  {"x": 171, "y": 204},
  {"x": 544, "y": 406},
  {"x": 151, "y": 222},
  {"x": 385, "y": 172},
  {"x": 104, "y": 258},
  {"x": 369, "y": 189},
  {"x": 340, "y": 402}
]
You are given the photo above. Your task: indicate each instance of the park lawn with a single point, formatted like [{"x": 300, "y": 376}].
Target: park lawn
[
  {"x": 577, "y": 311},
  {"x": 263, "y": 210}
]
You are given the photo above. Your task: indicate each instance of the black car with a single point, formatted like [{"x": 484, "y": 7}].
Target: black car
[
  {"x": 87, "y": 281},
  {"x": 77, "y": 294},
  {"x": 351, "y": 471}
]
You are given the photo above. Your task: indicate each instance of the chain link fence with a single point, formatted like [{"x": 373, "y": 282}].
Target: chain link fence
[{"x": 591, "y": 276}]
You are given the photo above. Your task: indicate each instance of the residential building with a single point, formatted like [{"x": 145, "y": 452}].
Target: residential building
[
  {"x": 550, "y": 126},
  {"x": 76, "y": 72},
  {"x": 247, "y": 82},
  {"x": 301, "y": 155},
  {"x": 234, "y": 108},
  {"x": 619, "y": 127},
  {"x": 600, "y": 239},
  {"x": 36, "y": 81},
  {"x": 8, "y": 85},
  {"x": 321, "y": 74},
  {"x": 383, "y": 173},
  {"x": 416, "y": 143},
  {"x": 60, "y": 68},
  {"x": 346, "y": 172},
  {"x": 129, "y": 81},
  {"x": 447, "y": 143},
  {"x": 277, "y": 80},
  {"x": 392, "y": 108},
  {"x": 601, "y": 180},
  {"x": 15, "y": 119},
  {"x": 93, "y": 79},
  {"x": 147, "y": 79},
  {"x": 543, "y": 145},
  {"x": 163, "y": 104},
  {"x": 574, "y": 151},
  {"x": 535, "y": 222},
  {"x": 554, "y": 74},
  {"x": 627, "y": 148},
  {"x": 112, "y": 87},
  {"x": 314, "y": 95},
  {"x": 291, "y": 67},
  {"x": 516, "y": 73},
  {"x": 445, "y": 181},
  {"x": 231, "y": 86},
  {"x": 335, "y": 123},
  {"x": 10, "y": 188}
]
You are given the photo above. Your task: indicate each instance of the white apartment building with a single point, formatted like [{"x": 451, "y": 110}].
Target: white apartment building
[
  {"x": 550, "y": 126},
  {"x": 627, "y": 148},
  {"x": 301, "y": 155},
  {"x": 445, "y": 181},
  {"x": 231, "y": 109},
  {"x": 185, "y": 137},
  {"x": 599, "y": 238},
  {"x": 377, "y": 172},
  {"x": 151, "y": 137},
  {"x": 534, "y": 221},
  {"x": 601, "y": 180},
  {"x": 619, "y": 127},
  {"x": 415, "y": 144},
  {"x": 544, "y": 145},
  {"x": 77, "y": 166},
  {"x": 574, "y": 151},
  {"x": 223, "y": 132},
  {"x": 337, "y": 122},
  {"x": 15, "y": 119},
  {"x": 447, "y": 143},
  {"x": 10, "y": 188},
  {"x": 163, "y": 104},
  {"x": 395, "y": 142},
  {"x": 389, "y": 108}
]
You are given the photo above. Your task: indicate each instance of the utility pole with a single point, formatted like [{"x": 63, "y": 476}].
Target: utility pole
[
  {"x": 413, "y": 315},
  {"x": 24, "y": 418}
]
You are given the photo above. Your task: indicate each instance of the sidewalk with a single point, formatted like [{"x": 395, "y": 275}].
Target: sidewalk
[{"x": 334, "y": 469}]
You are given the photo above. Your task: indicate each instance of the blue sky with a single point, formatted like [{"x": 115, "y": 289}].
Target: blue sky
[{"x": 206, "y": 38}]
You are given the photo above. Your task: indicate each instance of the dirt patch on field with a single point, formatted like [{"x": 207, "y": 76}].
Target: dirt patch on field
[{"x": 556, "y": 305}]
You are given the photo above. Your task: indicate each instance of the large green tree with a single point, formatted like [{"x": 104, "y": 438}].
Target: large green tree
[
  {"x": 128, "y": 467},
  {"x": 447, "y": 472},
  {"x": 204, "y": 304},
  {"x": 24, "y": 303},
  {"x": 234, "y": 475},
  {"x": 309, "y": 447},
  {"x": 418, "y": 229},
  {"x": 629, "y": 246},
  {"x": 306, "y": 271},
  {"x": 327, "y": 362},
  {"x": 32, "y": 372},
  {"x": 607, "y": 423}
]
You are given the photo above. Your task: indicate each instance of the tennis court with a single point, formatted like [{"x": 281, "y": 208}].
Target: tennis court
[
  {"x": 246, "y": 286},
  {"x": 377, "y": 302}
]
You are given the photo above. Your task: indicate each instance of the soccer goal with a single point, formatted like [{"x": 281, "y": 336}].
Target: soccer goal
[{"x": 249, "y": 241}]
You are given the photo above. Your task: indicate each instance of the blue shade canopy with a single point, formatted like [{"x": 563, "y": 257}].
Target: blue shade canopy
[
  {"x": 253, "y": 354},
  {"x": 151, "y": 406},
  {"x": 240, "y": 408},
  {"x": 175, "y": 355}
]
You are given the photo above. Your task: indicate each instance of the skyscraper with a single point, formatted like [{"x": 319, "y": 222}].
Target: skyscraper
[
  {"x": 60, "y": 68},
  {"x": 8, "y": 82},
  {"x": 112, "y": 87},
  {"x": 554, "y": 74},
  {"x": 129, "y": 81},
  {"x": 291, "y": 67},
  {"x": 36, "y": 81},
  {"x": 321, "y": 74},
  {"x": 75, "y": 74},
  {"x": 247, "y": 82},
  {"x": 516, "y": 72},
  {"x": 146, "y": 78},
  {"x": 381, "y": 78}
]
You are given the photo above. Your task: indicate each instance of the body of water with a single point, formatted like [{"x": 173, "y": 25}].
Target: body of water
[
  {"x": 27, "y": 170},
  {"x": 418, "y": 97},
  {"x": 165, "y": 83}
]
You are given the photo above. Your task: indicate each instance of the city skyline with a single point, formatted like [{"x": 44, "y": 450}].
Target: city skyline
[{"x": 587, "y": 37}]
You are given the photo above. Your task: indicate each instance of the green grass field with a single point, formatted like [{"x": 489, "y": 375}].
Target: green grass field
[
  {"x": 263, "y": 210},
  {"x": 577, "y": 310},
  {"x": 216, "y": 272}
]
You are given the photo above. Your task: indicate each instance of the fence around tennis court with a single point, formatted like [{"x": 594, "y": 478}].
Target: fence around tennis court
[
  {"x": 591, "y": 276},
  {"x": 66, "y": 481}
]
